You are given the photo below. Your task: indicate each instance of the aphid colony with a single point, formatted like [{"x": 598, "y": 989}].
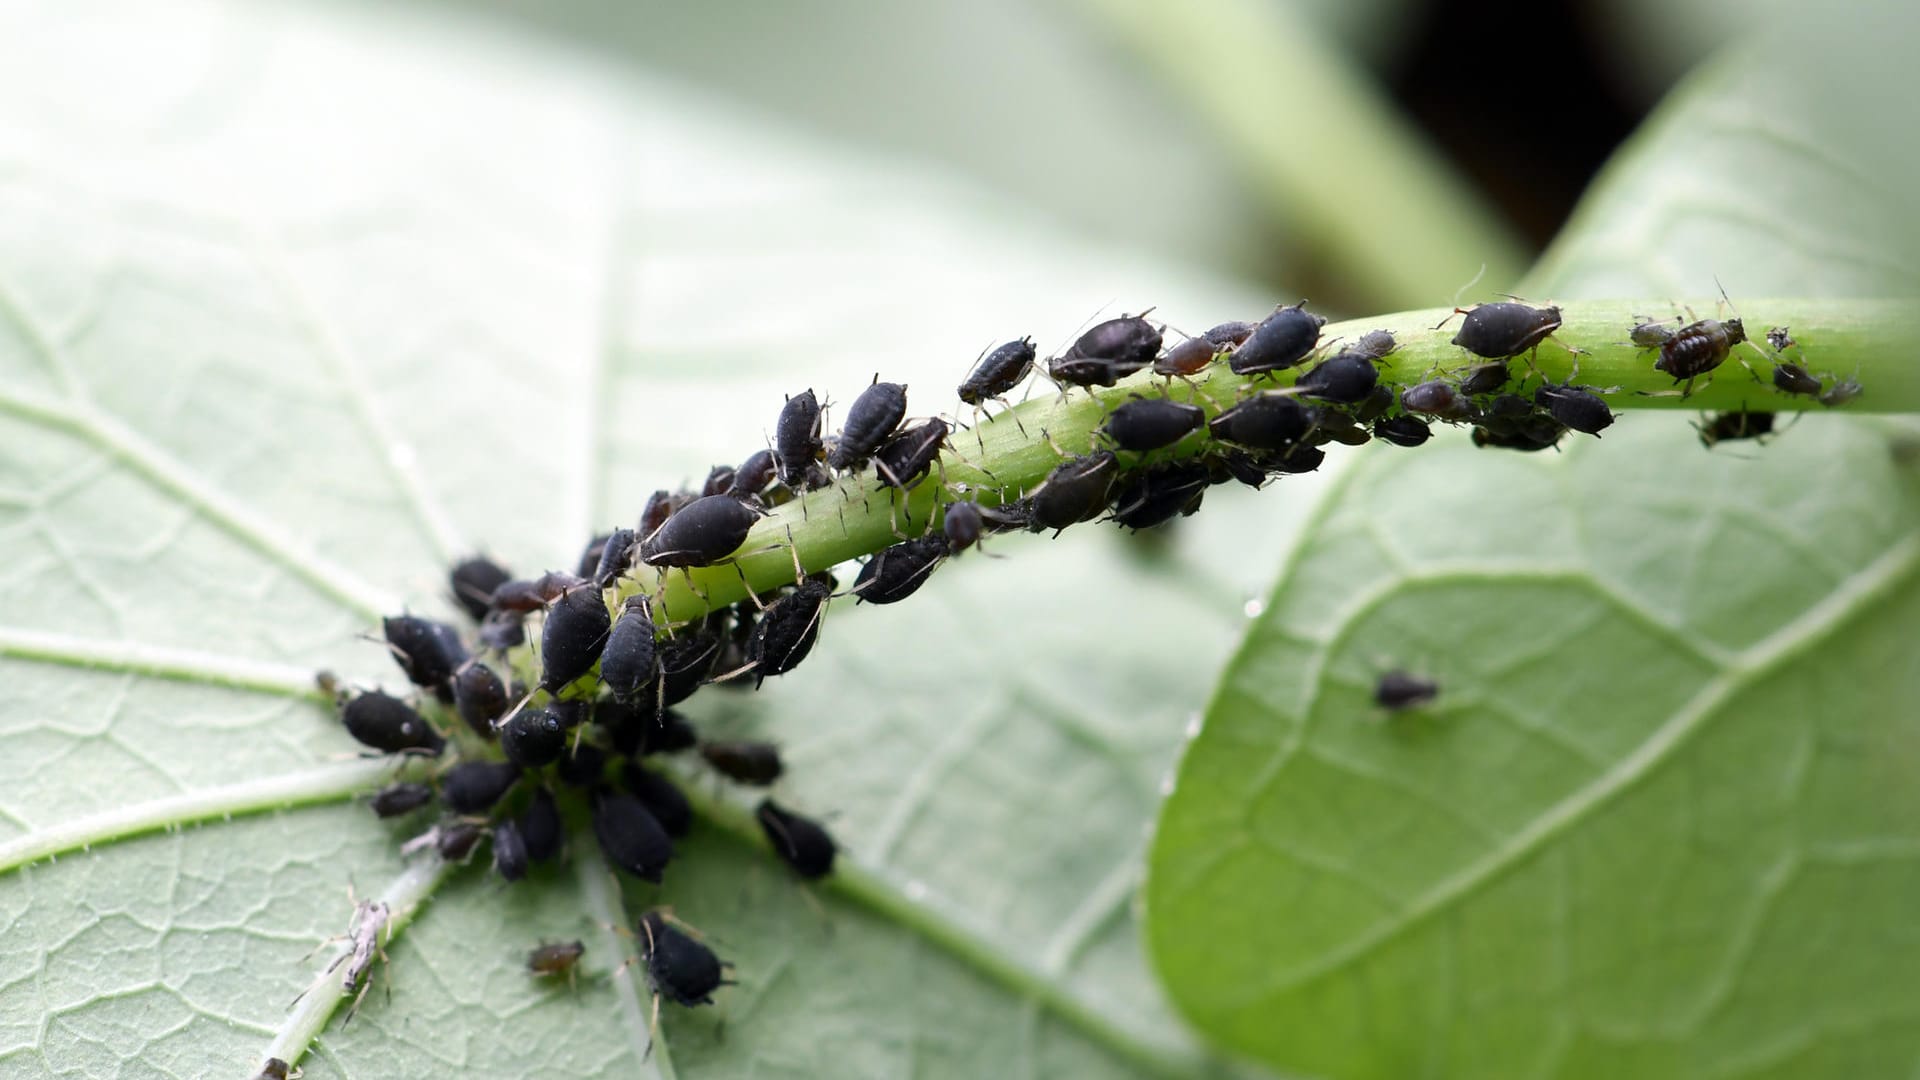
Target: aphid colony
[{"x": 584, "y": 719}]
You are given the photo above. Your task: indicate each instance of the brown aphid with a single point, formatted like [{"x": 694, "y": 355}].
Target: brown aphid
[{"x": 558, "y": 958}]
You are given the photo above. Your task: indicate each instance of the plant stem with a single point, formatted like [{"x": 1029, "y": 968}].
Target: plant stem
[{"x": 1871, "y": 341}]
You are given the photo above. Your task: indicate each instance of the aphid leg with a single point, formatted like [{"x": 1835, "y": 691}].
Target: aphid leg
[{"x": 748, "y": 585}]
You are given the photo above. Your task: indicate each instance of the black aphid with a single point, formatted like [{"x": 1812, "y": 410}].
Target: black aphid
[
  {"x": 530, "y": 596},
  {"x": 473, "y": 787},
  {"x": 1329, "y": 424},
  {"x": 1528, "y": 437},
  {"x": 1008, "y": 517},
  {"x": 1697, "y": 348},
  {"x": 1486, "y": 379},
  {"x": 1229, "y": 335},
  {"x": 403, "y": 798},
  {"x": 670, "y": 734},
  {"x": 559, "y": 958},
  {"x": 1840, "y": 393},
  {"x": 510, "y": 856},
  {"x": 796, "y": 441},
  {"x": 632, "y": 838},
  {"x": 1398, "y": 690},
  {"x": 702, "y": 533},
  {"x": 616, "y": 555},
  {"x": 894, "y": 573},
  {"x": 719, "y": 481},
  {"x": 1794, "y": 379},
  {"x": 540, "y": 826},
  {"x": 473, "y": 580},
  {"x": 681, "y": 969},
  {"x": 744, "y": 761},
  {"x": 1127, "y": 340},
  {"x": 1738, "y": 424},
  {"x": 1236, "y": 465},
  {"x": 1075, "y": 491},
  {"x": 590, "y": 555},
  {"x": 583, "y": 766},
  {"x": 1143, "y": 424},
  {"x": 788, "y": 628},
  {"x": 1402, "y": 430},
  {"x": 1345, "y": 379},
  {"x": 533, "y": 737},
  {"x": 660, "y": 506},
  {"x": 1505, "y": 329},
  {"x": 998, "y": 372},
  {"x": 1090, "y": 370},
  {"x": 1576, "y": 407},
  {"x": 1157, "y": 495},
  {"x": 1437, "y": 398},
  {"x": 662, "y": 798},
  {"x": 962, "y": 525},
  {"x": 630, "y": 662},
  {"x": 753, "y": 476},
  {"x": 1296, "y": 459},
  {"x": 871, "y": 420},
  {"x": 571, "y": 713},
  {"x": 1190, "y": 357},
  {"x": 387, "y": 724},
  {"x": 273, "y": 1069},
  {"x": 801, "y": 842},
  {"x": 479, "y": 697},
  {"x": 1375, "y": 405},
  {"x": 503, "y": 630},
  {"x": 427, "y": 651},
  {"x": 907, "y": 456},
  {"x": 1374, "y": 344},
  {"x": 1264, "y": 422},
  {"x": 456, "y": 841},
  {"x": 686, "y": 662},
  {"x": 575, "y": 635},
  {"x": 1282, "y": 339}
]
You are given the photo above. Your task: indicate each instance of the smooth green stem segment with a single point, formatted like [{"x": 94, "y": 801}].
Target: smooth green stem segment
[
  {"x": 1324, "y": 149},
  {"x": 1871, "y": 341}
]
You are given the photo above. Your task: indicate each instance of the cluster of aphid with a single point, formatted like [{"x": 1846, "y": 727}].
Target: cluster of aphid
[{"x": 600, "y": 695}]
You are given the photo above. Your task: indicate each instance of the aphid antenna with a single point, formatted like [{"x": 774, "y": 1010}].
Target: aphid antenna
[
  {"x": 1449, "y": 318},
  {"x": 1471, "y": 282}
]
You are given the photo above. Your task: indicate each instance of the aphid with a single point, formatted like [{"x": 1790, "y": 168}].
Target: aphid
[
  {"x": 685, "y": 663},
  {"x": 788, "y": 628},
  {"x": 662, "y": 798},
  {"x": 530, "y": 596},
  {"x": 701, "y": 533},
  {"x": 962, "y": 525},
  {"x": 1327, "y": 424},
  {"x": 427, "y": 651},
  {"x": 1190, "y": 357},
  {"x": 570, "y": 713},
  {"x": 509, "y": 850},
  {"x": 1143, "y": 424},
  {"x": 370, "y": 917},
  {"x": 1229, "y": 335},
  {"x": 560, "y": 958},
  {"x": 540, "y": 827},
  {"x": 1779, "y": 339},
  {"x": 1737, "y": 424},
  {"x": 1840, "y": 393},
  {"x": 456, "y": 842},
  {"x": 1794, "y": 379},
  {"x": 1346, "y": 379},
  {"x": 998, "y": 372},
  {"x": 1007, "y": 517},
  {"x": 907, "y": 456},
  {"x": 1403, "y": 430},
  {"x": 590, "y": 555},
  {"x": 744, "y": 761},
  {"x": 1576, "y": 407},
  {"x": 503, "y": 630},
  {"x": 479, "y": 697},
  {"x": 630, "y": 661},
  {"x": 796, "y": 441},
  {"x": 473, "y": 787},
  {"x": 679, "y": 967},
  {"x": 1697, "y": 348},
  {"x": 1264, "y": 422},
  {"x": 1486, "y": 379},
  {"x": 1090, "y": 370},
  {"x": 1437, "y": 398},
  {"x": 1504, "y": 329},
  {"x": 616, "y": 555},
  {"x": 583, "y": 767},
  {"x": 533, "y": 738},
  {"x": 575, "y": 635},
  {"x": 753, "y": 476},
  {"x": 1375, "y": 405},
  {"x": 1075, "y": 491},
  {"x": 473, "y": 580},
  {"x": 671, "y": 733},
  {"x": 275, "y": 1069},
  {"x": 1236, "y": 465},
  {"x": 1295, "y": 459},
  {"x": 1157, "y": 495},
  {"x": 1650, "y": 333},
  {"x": 895, "y": 573},
  {"x": 397, "y": 799},
  {"x": 719, "y": 481},
  {"x": 630, "y": 836},
  {"x": 871, "y": 420},
  {"x": 1374, "y": 344},
  {"x": 800, "y": 842},
  {"x": 1127, "y": 340},
  {"x": 733, "y": 650},
  {"x": 1399, "y": 690},
  {"x": 1282, "y": 339},
  {"x": 1527, "y": 438},
  {"x": 390, "y": 725},
  {"x": 659, "y": 507}
]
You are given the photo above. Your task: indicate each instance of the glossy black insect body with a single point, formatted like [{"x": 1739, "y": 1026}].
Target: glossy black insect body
[
  {"x": 1265, "y": 422},
  {"x": 1738, "y": 424},
  {"x": 1236, "y": 465},
  {"x": 473, "y": 787},
  {"x": 1528, "y": 437},
  {"x": 1127, "y": 340},
  {"x": 427, "y": 651},
  {"x": 1157, "y": 495},
  {"x": 1698, "y": 347},
  {"x": 533, "y": 738},
  {"x": 788, "y": 628},
  {"x": 1505, "y": 329},
  {"x": 1398, "y": 690},
  {"x": 575, "y": 635},
  {"x": 961, "y": 525},
  {"x": 796, "y": 441},
  {"x": 473, "y": 581},
  {"x": 681, "y": 968},
  {"x": 895, "y": 573},
  {"x": 719, "y": 481},
  {"x": 456, "y": 841},
  {"x": 702, "y": 533},
  {"x": 660, "y": 506},
  {"x": 479, "y": 697},
  {"x": 630, "y": 836},
  {"x": 1375, "y": 405},
  {"x": 686, "y": 662},
  {"x": 1436, "y": 398},
  {"x": 1190, "y": 357},
  {"x": 503, "y": 630},
  {"x": 801, "y": 842},
  {"x": 1403, "y": 430},
  {"x": 1075, "y": 491},
  {"x": 1576, "y": 407},
  {"x": 1282, "y": 340},
  {"x": 753, "y": 476},
  {"x": 584, "y": 766},
  {"x": 1295, "y": 459},
  {"x": 616, "y": 555},
  {"x": 403, "y": 798},
  {"x": 540, "y": 827},
  {"x": 530, "y": 596},
  {"x": 1329, "y": 424},
  {"x": 1142, "y": 424},
  {"x": 1486, "y": 379},
  {"x": 1345, "y": 379},
  {"x": 510, "y": 856},
  {"x": 1794, "y": 379},
  {"x": 1090, "y": 370},
  {"x": 744, "y": 761},
  {"x": 630, "y": 662},
  {"x": 389, "y": 725},
  {"x": 662, "y": 798},
  {"x": 998, "y": 372},
  {"x": 907, "y": 456},
  {"x": 871, "y": 420}
]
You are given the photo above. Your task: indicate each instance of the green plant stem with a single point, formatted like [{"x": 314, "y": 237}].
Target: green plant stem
[{"x": 999, "y": 460}]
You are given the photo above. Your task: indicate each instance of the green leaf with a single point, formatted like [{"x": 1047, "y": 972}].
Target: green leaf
[
  {"x": 299, "y": 303},
  {"x": 1660, "y": 821}
]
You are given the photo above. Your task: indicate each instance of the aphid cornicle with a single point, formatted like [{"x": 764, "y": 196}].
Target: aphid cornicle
[
  {"x": 788, "y": 628},
  {"x": 1075, "y": 491},
  {"x": 871, "y": 420},
  {"x": 801, "y": 842},
  {"x": 702, "y": 533},
  {"x": 479, "y": 697},
  {"x": 575, "y": 635},
  {"x": 662, "y": 798},
  {"x": 998, "y": 372},
  {"x": 427, "y": 651},
  {"x": 744, "y": 761},
  {"x": 473, "y": 580},
  {"x": 1504, "y": 329},
  {"x": 895, "y": 573},
  {"x": 1282, "y": 339},
  {"x": 1402, "y": 430},
  {"x": 509, "y": 850},
  {"x": 616, "y": 555},
  {"x": 1141, "y": 424},
  {"x": 1697, "y": 348},
  {"x": 680, "y": 968},
  {"x": 540, "y": 826},
  {"x": 1576, "y": 407},
  {"x": 796, "y": 441},
  {"x": 389, "y": 725},
  {"x": 403, "y": 798},
  {"x": 1738, "y": 424},
  {"x": 473, "y": 787},
  {"x": 533, "y": 738},
  {"x": 630, "y": 836},
  {"x": 1345, "y": 379},
  {"x": 1397, "y": 690},
  {"x": 1264, "y": 422},
  {"x": 630, "y": 662},
  {"x": 907, "y": 456}
]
